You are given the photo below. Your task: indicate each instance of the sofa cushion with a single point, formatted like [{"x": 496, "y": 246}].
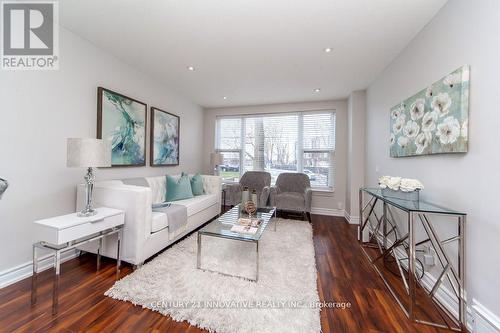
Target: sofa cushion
[
  {"x": 197, "y": 184},
  {"x": 178, "y": 189},
  {"x": 159, "y": 221},
  {"x": 198, "y": 203}
]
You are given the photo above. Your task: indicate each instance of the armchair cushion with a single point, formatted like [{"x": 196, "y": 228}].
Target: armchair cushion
[{"x": 290, "y": 201}]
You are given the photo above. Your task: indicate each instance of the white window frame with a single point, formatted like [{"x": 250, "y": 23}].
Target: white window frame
[{"x": 300, "y": 142}]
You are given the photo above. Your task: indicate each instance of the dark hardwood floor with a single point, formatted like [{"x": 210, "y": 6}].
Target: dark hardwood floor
[{"x": 344, "y": 275}]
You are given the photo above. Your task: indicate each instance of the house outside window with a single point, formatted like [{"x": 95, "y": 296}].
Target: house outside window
[{"x": 284, "y": 142}]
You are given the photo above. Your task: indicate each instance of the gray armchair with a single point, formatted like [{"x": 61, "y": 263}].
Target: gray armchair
[
  {"x": 292, "y": 192},
  {"x": 258, "y": 180}
]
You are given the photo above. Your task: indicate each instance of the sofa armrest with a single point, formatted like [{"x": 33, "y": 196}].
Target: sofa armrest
[
  {"x": 264, "y": 196},
  {"x": 212, "y": 184},
  {"x": 273, "y": 192},
  {"x": 136, "y": 202},
  {"x": 308, "y": 198}
]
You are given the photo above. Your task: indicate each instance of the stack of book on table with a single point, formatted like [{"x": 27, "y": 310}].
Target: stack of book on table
[{"x": 247, "y": 225}]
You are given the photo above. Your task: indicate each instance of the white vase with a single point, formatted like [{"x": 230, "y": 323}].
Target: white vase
[
  {"x": 245, "y": 196},
  {"x": 254, "y": 199}
]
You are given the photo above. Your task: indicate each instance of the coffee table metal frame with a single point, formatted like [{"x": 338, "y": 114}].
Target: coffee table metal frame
[{"x": 272, "y": 212}]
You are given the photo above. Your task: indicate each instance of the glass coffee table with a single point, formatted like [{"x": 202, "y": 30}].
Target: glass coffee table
[{"x": 221, "y": 228}]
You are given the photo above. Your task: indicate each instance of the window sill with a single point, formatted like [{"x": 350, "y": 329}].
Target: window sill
[
  {"x": 229, "y": 182},
  {"x": 323, "y": 191}
]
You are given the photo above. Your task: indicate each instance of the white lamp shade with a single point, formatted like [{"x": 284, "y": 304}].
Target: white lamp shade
[
  {"x": 216, "y": 159},
  {"x": 88, "y": 153}
]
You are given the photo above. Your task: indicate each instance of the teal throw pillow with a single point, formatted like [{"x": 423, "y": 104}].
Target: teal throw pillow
[
  {"x": 178, "y": 189},
  {"x": 197, "y": 184}
]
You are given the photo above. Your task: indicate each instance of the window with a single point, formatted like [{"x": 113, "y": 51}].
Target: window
[
  {"x": 229, "y": 143},
  {"x": 290, "y": 142}
]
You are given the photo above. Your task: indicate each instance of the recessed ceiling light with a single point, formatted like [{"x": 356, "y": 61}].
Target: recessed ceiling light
[
  {"x": 328, "y": 49},
  {"x": 225, "y": 97},
  {"x": 191, "y": 68},
  {"x": 317, "y": 90}
]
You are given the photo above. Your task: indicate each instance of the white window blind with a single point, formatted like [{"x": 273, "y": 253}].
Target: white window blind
[
  {"x": 292, "y": 142},
  {"x": 319, "y": 147}
]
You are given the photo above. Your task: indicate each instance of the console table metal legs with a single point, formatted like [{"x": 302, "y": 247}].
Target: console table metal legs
[
  {"x": 382, "y": 233},
  {"x": 57, "y": 262}
]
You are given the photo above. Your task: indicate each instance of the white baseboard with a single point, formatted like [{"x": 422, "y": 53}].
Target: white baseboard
[
  {"x": 351, "y": 219},
  {"x": 335, "y": 212},
  {"x": 484, "y": 320},
  {"x": 17, "y": 273},
  {"x": 327, "y": 211}
]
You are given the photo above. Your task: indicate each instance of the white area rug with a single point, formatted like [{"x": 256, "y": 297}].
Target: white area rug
[{"x": 283, "y": 300}]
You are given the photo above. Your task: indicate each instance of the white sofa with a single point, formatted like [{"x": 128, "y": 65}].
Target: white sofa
[{"x": 146, "y": 232}]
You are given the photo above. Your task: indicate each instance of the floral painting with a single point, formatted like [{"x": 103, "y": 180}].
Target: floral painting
[
  {"x": 122, "y": 121},
  {"x": 164, "y": 138},
  {"x": 433, "y": 121}
]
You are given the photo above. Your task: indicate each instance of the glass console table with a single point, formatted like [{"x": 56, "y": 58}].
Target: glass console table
[{"x": 395, "y": 234}]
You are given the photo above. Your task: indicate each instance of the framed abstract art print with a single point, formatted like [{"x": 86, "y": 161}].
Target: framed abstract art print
[
  {"x": 122, "y": 121},
  {"x": 164, "y": 143}
]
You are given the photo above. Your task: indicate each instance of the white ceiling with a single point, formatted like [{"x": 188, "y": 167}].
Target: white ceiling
[{"x": 253, "y": 51}]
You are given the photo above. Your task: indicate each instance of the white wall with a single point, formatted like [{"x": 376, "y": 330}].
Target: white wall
[
  {"x": 39, "y": 110},
  {"x": 324, "y": 203},
  {"x": 463, "y": 32},
  {"x": 356, "y": 114}
]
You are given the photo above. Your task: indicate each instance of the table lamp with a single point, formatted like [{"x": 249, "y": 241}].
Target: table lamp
[
  {"x": 215, "y": 161},
  {"x": 88, "y": 153},
  {"x": 3, "y": 186}
]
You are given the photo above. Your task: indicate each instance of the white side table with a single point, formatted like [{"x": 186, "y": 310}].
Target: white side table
[{"x": 63, "y": 233}]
